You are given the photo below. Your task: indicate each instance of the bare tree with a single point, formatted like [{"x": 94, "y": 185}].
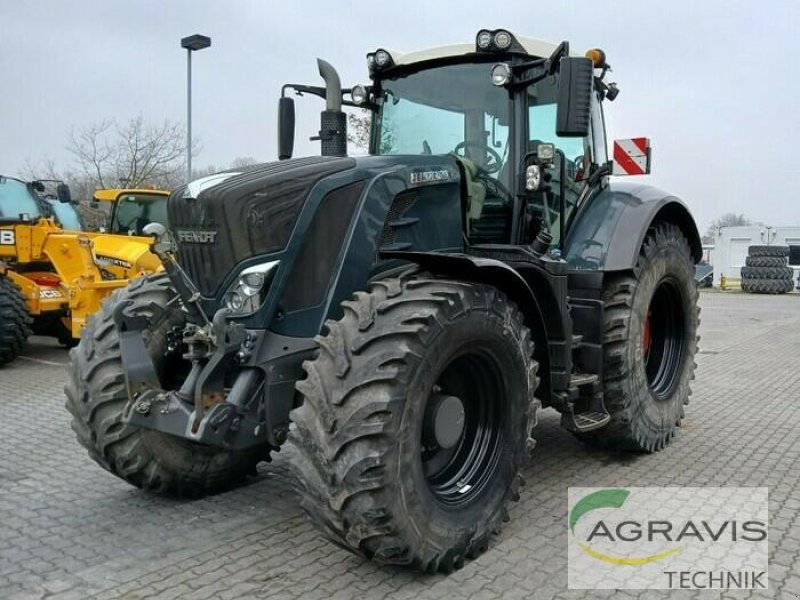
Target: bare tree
[
  {"x": 359, "y": 132},
  {"x": 726, "y": 220},
  {"x": 243, "y": 161},
  {"x": 135, "y": 154},
  {"x": 358, "y": 129}
]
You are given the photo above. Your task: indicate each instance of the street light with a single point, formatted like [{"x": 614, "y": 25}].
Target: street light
[{"x": 191, "y": 43}]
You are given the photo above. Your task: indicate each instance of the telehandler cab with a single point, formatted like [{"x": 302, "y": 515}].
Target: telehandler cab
[
  {"x": 407, "y": 312},
  {"x": 133, "y": 209}
]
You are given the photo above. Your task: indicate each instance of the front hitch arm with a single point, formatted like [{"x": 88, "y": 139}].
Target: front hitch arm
[{"x": 140, "y": 372}]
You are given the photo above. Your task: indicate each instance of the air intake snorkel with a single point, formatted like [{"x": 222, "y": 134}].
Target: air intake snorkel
[{"x": 333, "y": 122}]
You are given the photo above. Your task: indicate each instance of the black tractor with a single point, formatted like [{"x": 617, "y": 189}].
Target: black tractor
[{"x": 401, "y": 317}]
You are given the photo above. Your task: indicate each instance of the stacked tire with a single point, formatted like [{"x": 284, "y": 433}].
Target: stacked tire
[{"x": 767, "y": 270}]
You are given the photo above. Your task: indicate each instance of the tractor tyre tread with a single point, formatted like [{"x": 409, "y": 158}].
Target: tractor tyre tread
[
  {"x": 767, "y": 273},
  {"x": 774, "y": 251},
  {"x": 765, "y": 261},
  {"x": 767, "y": 286}
]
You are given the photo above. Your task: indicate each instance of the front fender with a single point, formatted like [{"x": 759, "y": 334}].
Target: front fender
[{"x": 610, "y": 228}]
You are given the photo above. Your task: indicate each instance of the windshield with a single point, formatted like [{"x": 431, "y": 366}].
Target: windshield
[
  {"x": 440, "y": 110},
  {"x": 66, "y": 215},
  {"x": 134, "y": 211},
  {"x": 16, "y": 199}
]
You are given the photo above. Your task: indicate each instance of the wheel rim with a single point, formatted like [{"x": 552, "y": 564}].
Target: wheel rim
[
  {"x": 457, "y": 474},
  {"x": 663, "y": 339}
]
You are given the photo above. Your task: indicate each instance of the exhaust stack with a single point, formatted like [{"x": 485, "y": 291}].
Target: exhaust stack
[{"x": 333, "y": 122}]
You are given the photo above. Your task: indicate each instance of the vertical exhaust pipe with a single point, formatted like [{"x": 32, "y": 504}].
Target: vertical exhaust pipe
[{"x": 333, "y": 122}]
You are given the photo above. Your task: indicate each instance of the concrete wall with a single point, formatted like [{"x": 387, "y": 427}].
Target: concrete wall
[{"x": 731, "y": 243}]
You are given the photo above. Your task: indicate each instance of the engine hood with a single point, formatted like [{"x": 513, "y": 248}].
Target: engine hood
[{"x": 221, "y": 220}]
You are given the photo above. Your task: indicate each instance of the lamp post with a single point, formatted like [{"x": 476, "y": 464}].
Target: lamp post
[{"x": 191, "y": 43}]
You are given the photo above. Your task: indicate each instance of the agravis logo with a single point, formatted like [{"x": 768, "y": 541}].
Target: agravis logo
[
  {"x": 667, "y": 538},
  {"x": 609, "y": 499}
]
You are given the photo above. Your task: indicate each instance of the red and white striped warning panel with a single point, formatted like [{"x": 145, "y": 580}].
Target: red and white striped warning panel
[{"x": 632, "y": 156}]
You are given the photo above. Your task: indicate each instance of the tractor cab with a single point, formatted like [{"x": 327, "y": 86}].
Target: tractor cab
[
  {"x": 522, "y": 117},
  {"x": 133, "y": 209}
]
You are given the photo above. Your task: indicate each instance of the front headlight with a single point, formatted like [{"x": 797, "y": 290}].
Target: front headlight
[{"x": 250, "y": 290}]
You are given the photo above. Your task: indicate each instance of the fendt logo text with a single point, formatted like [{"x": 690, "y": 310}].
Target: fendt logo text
[
  {"x": 667, "y": 538},
  {"x": 190, "y": 236}
]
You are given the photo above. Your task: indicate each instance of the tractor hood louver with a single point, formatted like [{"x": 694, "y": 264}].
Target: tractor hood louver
[{"x": 252, "y": 211}]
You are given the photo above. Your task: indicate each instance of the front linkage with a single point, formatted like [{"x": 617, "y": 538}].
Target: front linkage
[{"x": 200, "y": 410}]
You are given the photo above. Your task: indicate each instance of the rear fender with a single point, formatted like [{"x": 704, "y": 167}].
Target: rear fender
[{"x": 609, "y": 229}]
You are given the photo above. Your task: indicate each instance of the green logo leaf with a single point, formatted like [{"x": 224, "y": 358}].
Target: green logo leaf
[{"x": 613, "y": 498}]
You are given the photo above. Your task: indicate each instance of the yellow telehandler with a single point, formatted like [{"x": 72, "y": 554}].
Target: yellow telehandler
[{"x": 52, "y": 279}]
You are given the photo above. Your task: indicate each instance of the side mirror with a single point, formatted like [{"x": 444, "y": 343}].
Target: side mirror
[
  {"x": 285, "y": 128},
  {"x": 631, "y": 157},
  {"x": 63, "y": 193},
  {"x": 576, "y": 82}
]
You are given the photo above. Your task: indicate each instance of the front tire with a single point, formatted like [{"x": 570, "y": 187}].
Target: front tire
[
  {"x": 650, "y": 341},
  {"x": 15, "y": 321},
  {"x": 382, "y": 470},
  {"x": 97, "y": 399}
]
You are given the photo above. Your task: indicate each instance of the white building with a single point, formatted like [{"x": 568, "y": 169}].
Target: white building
[{"x": 731, "y": 243}]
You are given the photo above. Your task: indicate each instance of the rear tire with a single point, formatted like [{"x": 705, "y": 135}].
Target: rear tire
[
  {"x": 647, "y": 372},
  {"x": 15, "y": 321},
  {"x": 97, "y": 400},
  {"x": 775, "y": 251},
  {"x": 767, "y": 286},
  {"x": 370, "y": 474}
]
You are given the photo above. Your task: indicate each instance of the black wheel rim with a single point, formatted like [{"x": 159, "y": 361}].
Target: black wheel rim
[
  {"x": 664, "y": 339},
  {"x": 458, "y": 474}
]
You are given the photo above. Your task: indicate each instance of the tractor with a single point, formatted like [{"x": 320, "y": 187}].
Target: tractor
[
  {"x": 402, "y": 317},
  {"x": 52, "y": 274}
]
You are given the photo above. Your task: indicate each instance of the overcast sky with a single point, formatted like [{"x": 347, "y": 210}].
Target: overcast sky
[{"x": 714, "y": 84}]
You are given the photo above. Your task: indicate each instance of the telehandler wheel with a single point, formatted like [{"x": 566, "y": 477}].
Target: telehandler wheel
[
  {"x": 650, "y": 341},
  {"x": 15, "y": 321},
  {"x": 97, "y": 399},
  {"x": 415, "y": 421}
]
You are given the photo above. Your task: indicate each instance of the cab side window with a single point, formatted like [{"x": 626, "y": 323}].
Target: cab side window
[
  {"x": 598, "y": 132},
  {"x": 574, "y": 157}
]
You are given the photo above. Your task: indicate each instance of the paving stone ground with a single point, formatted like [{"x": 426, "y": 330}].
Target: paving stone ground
[{"x": 70, "y": 530}]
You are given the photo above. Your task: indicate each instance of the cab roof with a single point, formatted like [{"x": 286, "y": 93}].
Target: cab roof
[
  {"x": 533, "y": 47},
  {"x": 112, "y": 194}
]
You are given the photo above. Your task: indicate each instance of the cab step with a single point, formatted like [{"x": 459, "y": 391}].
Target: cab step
[
  {"x": 585, "y": 421},
  {"x": 585, "y": 409},
  {"x": 582, "y": 380}
]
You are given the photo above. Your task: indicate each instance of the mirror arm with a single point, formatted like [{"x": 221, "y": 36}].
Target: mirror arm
[
  {"x": 550, "y": 64},
  {"x": 529, "y": 81},
  {"x": 599, "y": 173},
  {"x": 300, "y": 89}
]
